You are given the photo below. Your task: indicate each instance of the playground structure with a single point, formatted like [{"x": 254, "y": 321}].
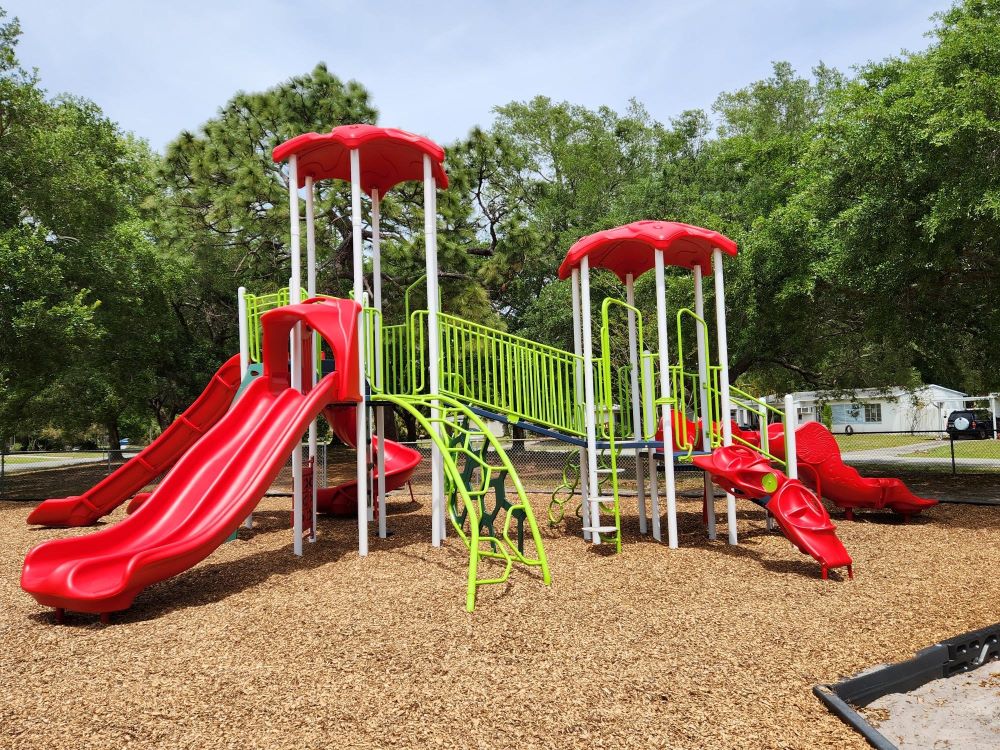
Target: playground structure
[{"x": 303, "y": 355}]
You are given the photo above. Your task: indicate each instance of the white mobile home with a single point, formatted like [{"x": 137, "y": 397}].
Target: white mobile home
[{"x": 880, "y": 410}]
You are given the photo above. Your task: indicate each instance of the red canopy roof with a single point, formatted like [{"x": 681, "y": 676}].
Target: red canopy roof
[
  {"x": 629, "y": 249},
  {"x": 388, "y": 156}
]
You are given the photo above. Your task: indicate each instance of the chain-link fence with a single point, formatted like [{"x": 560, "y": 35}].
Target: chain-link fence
[
  {"x": 928, "y": 451},
  {"x": 38, "y": 475},
  {"x": 547, "y": 467}
]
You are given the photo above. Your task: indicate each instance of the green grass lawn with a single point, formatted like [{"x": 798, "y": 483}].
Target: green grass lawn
[
  {"x": 862, "y": 442},
  {"x": 966, "y": 449},
  {"x": 39, "y": 457}
]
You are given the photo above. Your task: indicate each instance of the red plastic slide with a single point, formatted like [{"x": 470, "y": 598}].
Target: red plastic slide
[
  {"x": 214, "y": 486},
  {"x": 799, "y": 513},
  {"x": 822, "y": 468},
  {"x": 150, "y": 462},
  {"x": 400, "y": 463}
]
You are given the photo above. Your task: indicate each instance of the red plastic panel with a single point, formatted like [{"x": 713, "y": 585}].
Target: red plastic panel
[
  {"x": 400, "y": 463},
  {"x": 630, "y": 249},
  {"x": 387, "y": 156},
  {"x": 335, "y": 320}
]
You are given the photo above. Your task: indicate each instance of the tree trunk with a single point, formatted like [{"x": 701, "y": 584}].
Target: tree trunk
[
  {"x": 411, "y": 427},
  {"x": 114, "y": 441},
  {"x": 391, "y": 428},
  {"x": 164, "y": 416},
  {"x": 517, "y": 436}
]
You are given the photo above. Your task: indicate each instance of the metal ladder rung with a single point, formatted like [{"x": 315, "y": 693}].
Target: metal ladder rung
[
  {"x": 601, "y": 529},
  {"x": 619, "y": 470}
]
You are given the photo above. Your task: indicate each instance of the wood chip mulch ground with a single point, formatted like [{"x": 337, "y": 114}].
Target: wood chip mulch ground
[{"x": 708, "y": 646}]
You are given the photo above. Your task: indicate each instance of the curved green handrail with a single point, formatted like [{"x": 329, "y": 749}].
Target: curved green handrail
[
  {"x": 709, "y": 419},
  {"x": 451, "y": 416},
  {"x": 761, "y": 408}
]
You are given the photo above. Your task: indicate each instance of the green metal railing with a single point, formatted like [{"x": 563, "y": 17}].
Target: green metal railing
[
  {"x": 514, "y": 376},
  {"x": 257, "y": 305},
  {"x": 680, "y": 382},
  {"x": 612, "y": 437},
  {"x": 399, "y": 369},
  {"x": 396, "y": 359},
  {"x": 374, "y": 332}
]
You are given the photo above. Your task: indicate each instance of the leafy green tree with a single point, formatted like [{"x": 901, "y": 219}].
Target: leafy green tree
[
  {"x": 223, "y": 208},
  {"x": 544, "y": 175},
  {"x": 892, "y": 229},
  {"x": 82, "y": 283}
]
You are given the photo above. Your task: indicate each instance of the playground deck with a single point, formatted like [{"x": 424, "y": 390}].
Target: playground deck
[{"x": 705, "y": 646}]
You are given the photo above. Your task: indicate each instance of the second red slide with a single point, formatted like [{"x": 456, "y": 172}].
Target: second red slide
[
  {"x": 400, "y": 463},
  {"x": 150, "y": 462},
  {"x": 822, "y": 468}
]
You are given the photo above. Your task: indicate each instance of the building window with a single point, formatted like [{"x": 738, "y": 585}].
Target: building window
[
  {"x": 873, "y": 413},
  {"x": 847, "y": 414}
]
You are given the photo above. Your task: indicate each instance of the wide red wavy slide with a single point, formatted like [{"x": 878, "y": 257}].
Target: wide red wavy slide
[
  {"x": 822, "y": 468},
  {"x": 150, "y": 462},
  {"x": 214, "y": 486}
]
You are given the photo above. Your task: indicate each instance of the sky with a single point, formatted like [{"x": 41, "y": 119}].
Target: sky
[{"x": 438, "y": 68}]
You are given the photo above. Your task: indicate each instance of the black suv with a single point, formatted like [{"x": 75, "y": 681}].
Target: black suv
[{"x": 975, "y": 424}]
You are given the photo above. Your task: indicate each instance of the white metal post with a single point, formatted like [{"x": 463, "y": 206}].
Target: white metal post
[
  {"x": 654, "y": 490},
  {"x": 791, "y": 424},
  {"x": 244, "y": 328},
  {"x": 294, "y": 285},
  {"x": 581, "y": 398},
  {"x": 703, "y": 397},
  {"x": 437, "y": 291},
  {"x": 591, "y": 406},
  {"x": 430, "y": 243},
  {"x": 379, "y": 363},
  {"x": 361, "y": 434},
  {"x": 720, "y": 331},
  {"x": 633, "y": 353},
  {"x": 668, "y": 431},
  {"x": 311, "y": 292}
]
